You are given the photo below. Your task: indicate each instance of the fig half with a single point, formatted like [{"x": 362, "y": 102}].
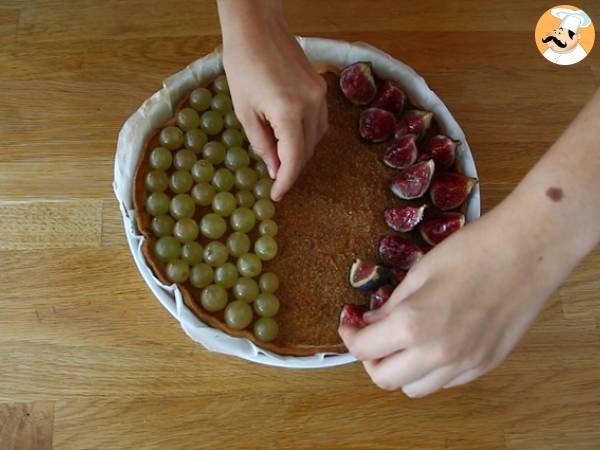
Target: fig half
[
  {"x": 402, "y": 152},
  {"x": 441, "y": 149},
  {"x": 449, "y": 190},
  {"x": 437, "y": 229},
  {"x": 352, "y": 315},
  {"x": 413, "y": 181},
  {"x": 367, "y": 276},
  {"x": 380, "y": 296},
  {"x": 398, "y": 253},
  {"x": 390, "y": 97},
  {"x": 403, "y": 219},
  {"x": 376, "y": 125},
  {"x": 413, "y": 121},
  {"x": 357, "y": 83}
]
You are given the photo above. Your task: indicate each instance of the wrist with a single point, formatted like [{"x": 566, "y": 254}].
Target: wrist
[{"x": 249, "y": 17}]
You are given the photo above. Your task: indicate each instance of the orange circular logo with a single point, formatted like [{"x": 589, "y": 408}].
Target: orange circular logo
[{"x": 564, "y": 35}]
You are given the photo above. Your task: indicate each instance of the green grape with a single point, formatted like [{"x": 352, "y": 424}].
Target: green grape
[
  {"x": 200, "y": 99},
  {"x": 268, "y": 228},
  {"x": 157, "y": 204},
  {"x": 192, "y": 253},
  {"x": 245, "y": 178},
  {"x": 214, "y": 152},
  {"x": 186, "y": 230},
  {"x": 264, "y": 209},
  {"x": 212, "y": 226},
  {"x": 181, "y": 181},
  {"x": 266, "y": 329},
  {"x": 184, "y": 159},
  {"x": 223, "y": 179},
  {"x": 221, "y": 103},
  {"x": 177, "y": 271},
  {"x": 252, "y": 154},
  {"x": 211, "y": 122},
  {"x": 266, "y": 248},
  {"x": 188, "y": 119},
  {"x": 215, "y": 253},
  {"x": 238, "y": 315},
  {"x": 245, "y": 289},
  {"x": 266, "y": 305},
  {"x": 231, "y": 121},
  {"x": 162, "y": 225},
  {"x": 157, "y": 181},
  {"x": 195, "y": 140},
  {"x": 268, "y": 282},
  {"x": 201, "y": 275},
  {"x": 236, "y": 157},
  {"x": 224, "y": 203},
  {"x": 261, "y": 169},
  {"x": 232, "y": 138},
  {"x": 244, "y": 198},
  {"x": 242, "y": 219},
  {"x": 262, "y": 188},
  {"x": 167, "y": 248},
  {"x": 249, "y": 265},
  {"x": 220, "y": 84},
  {"x": 213, "y": 298},
  {"x": 203, "y": 193},
  {"x": 161, "y": 158},
  {"x": 182, "y": 206},
  {"x": 226, "y": 275},
  {"x": 238, "y": 243},
  {"x": 171, "y": 137},
  {"x": 202, "y": 170}
]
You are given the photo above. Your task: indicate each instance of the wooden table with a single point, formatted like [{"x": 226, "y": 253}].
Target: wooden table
[{"x": 89, "y": 359}]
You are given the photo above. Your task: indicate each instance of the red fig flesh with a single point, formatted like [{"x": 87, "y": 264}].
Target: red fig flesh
[
  {"x": 437, "y": 229},
  {"x": 403, "y": 219},
  {"x": 398, "y": 253},
  {"x": 352, "y": 315},
  {"x": 413, "y": 181},
  {"x": 402, "y": 152},
  {"x": 357, "y": 83},
  {"x": 376, "y": 125},
  {"x": 441, "y": 149},
  {"x": 449, "y": 190},
  {"x": 397, "y": 277},
  {"x": 413, "y": 121},
  {"x": 390, "y": 97},
  {"x": 380, "y": 296}
]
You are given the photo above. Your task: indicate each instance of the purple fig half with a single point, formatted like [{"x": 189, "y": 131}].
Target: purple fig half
[
  {"x": 402, "y": 152},
  {"x": 398, "y": 253},
  {"x": 449, "y": 190},
  {"x": 441, "y": 149},
  {"x": 390, "y": 97},
  {"x": 352, "y": 315},
  {"x": 437, "y": 229},
  {"x": 403, "y": 218},
  {"x": 376, "y": 125},
  {"x": 413, "y": 181},
  {"x": 357, "y": 83}
]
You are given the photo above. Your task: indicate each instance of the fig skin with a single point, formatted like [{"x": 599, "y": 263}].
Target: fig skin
[
  {"x": 403, "y": 219},
  {"x": 436, "y": 229},
  {"x": 374, "y": 276},
  {"x": 357, "y": 83},
  {"x": 379, "y": 297},
  {"x": 390, "y": 97},
  {"x": 449, "y": 190},
  {"x": 413, "y": 181},
  {"x": 352, "y": 315},
  {"x": 376, "y": 125},
  {"x": 398, "y": 277},
  {"x": 441, "y": 149},
  {"x": 398, "y": 253},
  {"x": 413, "y": 121},
  {"x": 402, "y": 152}
]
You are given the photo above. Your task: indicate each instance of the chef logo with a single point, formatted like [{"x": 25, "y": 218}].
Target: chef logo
[{"x": 564, "y": 35}]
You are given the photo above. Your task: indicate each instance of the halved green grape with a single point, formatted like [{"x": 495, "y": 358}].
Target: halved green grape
[
  {"x": 268, "y": 228},
  {"x": 195, "y": 140},
  {"x": 201, "y": 275},
  {"x": 171, "y": 137},
  {"x": 181, "y": 181},
  {"x": 162, "y": 225},
  {"x": 211, "y": 122},
  {"x": 242, "y": 219},
  {"x": 238, "y": 315},
  {"x": 177, "y": 271},
  {"x": 188, "y": 119},
  {"x": 262, "y": 188},
  {"x": 215, "y": 253},
  {"x": 232, "y": 138},
  {"x": 192, "y": 253},
  {"x": 231, "y": 121},
  {"x": 157, "y": 204},
  {"x": 161, "y": 158},
  {"x": 266, "y": 329},
  {"x": 214, "y": 152},
  {"x": 167, "y": 248},
  {"x": 245, "y": 289},
  {"x": 266, "y": 305},
  {"x": 203, "y": 170},
  {"x": 226, "y": 275},
  {"x": 245, "y": 178},
  {"x": 266, "y": 248},
  {"x": 184, "y": 159},
  {"x": 261, "y": 169},
  {"x": 203, "y": 193},
  {"x": 213, "y": 298},
  {"x": 223, "y": 179},
  {"x": 186, "y": 230},
  {"x": 236, "y": 157},
  {"x": 245, "y": 198},
  {"x": 224, "y": 203},
  {"x": 212, "y": 226},
  {"x": 182, "y": 205},
  {"x": 238, "y": 243},
  {"x": 220, "y": 84},
  {"x": 157, "y": 180},
  {"x": 200, "y": 99},
  {"x": 268, "y": 282},
  {"x": 222, "y": 103},
  {"x": 264, "y": 209},
  {"x": 249, "y": 265}
]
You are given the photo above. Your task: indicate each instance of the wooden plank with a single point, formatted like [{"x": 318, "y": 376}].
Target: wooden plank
[
  {"x": 581, "y": 299},
  {"x": 113, "y": 232},
  {"x": 9, "y": 20},
  {"x": 26, "y": 426}
]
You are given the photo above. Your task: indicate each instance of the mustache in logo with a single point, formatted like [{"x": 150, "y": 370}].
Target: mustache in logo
[{"x": 556, "y": 41}]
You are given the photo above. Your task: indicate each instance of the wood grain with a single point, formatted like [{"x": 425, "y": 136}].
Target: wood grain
[{"x": 90, "y": 359}]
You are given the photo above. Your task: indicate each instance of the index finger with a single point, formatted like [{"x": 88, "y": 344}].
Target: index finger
[{"x": 290, "y": 148}]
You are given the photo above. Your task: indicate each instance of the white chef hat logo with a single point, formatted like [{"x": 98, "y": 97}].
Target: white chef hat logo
[{"x": 571, "y": 20}]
